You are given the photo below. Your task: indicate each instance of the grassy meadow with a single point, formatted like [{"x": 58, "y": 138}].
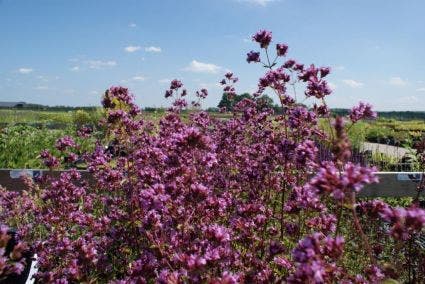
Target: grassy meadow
[{"x": 24, "y": 133}]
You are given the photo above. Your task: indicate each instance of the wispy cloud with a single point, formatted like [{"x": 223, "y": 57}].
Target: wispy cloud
[
  {"x": 99, "y": 64},
  {"x": 42, "y": 78},
  {"x": 407, "y": 99},
  {"x": 201, "y": 67},
  {"x": 41, "y": 88},
  {"x": 75, "y": 68},
  {"x": 353, "y": 83},
  {"x": 397, "y": 81},
  {"x": 421, "y": 89},
  {"x": 164, "y": 81},
  {"x": 25, "y": 70},
  {"x": 132, "y": 25},
  {"x": 132, "y": 48},
  {"x": 138, "y": 78},
  {"x": 257, "y": 2},
  {"x": 153, "y": 49},
  {"x": 210, "y": 85}
]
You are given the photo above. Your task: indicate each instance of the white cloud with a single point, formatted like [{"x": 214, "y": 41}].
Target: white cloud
[
  {"x": 397, "y": 81},
  {"x": 164, "y": 81},
  {"x": 132, "y": 25},
  {"x": 353, "y": 83},
  {"x": 153, "y": 49},
  {"x": 43, "y": 78},
  {"x": 41, "y": 88},
  {"x": 132, "y": 48},
  {"x": 99, "y": 64},
  {"x": 421, "y": 89},
  {"x": 339, "y": 67},
  {"x": 25, "y": 70},
  {"x": 201, "y": 67},
  {"x": 94, "y": 93},
  {"x": 210, "y": 85},
  {"x": 406, "y": 100},
  {"x": 138, "y": 78},
  {"x": 257, "y": 2},
  {"x": 75, "y": 68}
]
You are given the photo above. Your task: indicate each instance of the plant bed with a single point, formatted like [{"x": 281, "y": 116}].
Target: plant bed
[
  {"x": 196, "y": 199},
  {"x": 15, "y": 258}
]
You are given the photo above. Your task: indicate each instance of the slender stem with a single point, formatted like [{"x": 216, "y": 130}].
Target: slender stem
[
  {"x": 359, "y": 229},
  {"x": 282, "y": 200},
  {"x": 329, "y": 122},
  {"x": 338, "y": 220}
]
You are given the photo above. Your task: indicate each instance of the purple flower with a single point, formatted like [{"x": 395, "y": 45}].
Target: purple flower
[
  {"x": 263, "y": 37},
  {"x": 175, "y": 84},
  {"x": 324, "y": 71},
  {"x": 228, "y": 75},
  {"x": 253, "y": 56},
  {"x": 353, "y": 178},
  {"x": 49, "y": 160},
  {"x": 362, "y": 111},
  {"x": 281, "y": 49},
  {"x": 289, "y": 63},
  {"x": 192, "y": 197},
  {"x": 64, "y": 142},
  {"x": 202, "y": 94},
  {"x": 168, "y": 93},
  {"x": 404, "y": 222}
]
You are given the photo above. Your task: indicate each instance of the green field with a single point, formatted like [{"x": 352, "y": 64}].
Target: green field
[{"x": 24, "y": 133}]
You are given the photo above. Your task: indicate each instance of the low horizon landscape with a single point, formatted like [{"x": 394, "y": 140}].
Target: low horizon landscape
[{"x": 216, "y": 142}]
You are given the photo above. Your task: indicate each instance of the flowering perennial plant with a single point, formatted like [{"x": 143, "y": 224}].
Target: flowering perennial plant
[
  {"x": 12, "y": 254},
  {"x": 204, "y": 200}
]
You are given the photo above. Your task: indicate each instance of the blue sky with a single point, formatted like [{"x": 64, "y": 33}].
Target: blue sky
[{"x": 67, "y": 52}]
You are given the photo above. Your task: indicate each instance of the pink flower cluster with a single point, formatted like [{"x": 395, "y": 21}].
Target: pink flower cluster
[
  {"x": 362, "y": 111},
  {"x": 196, "y": 199},
  {"x": 12, "y": 254}
]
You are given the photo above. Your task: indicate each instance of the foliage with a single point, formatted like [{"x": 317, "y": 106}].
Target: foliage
[
  {"x": 44, "y": 118},
  {"x": 228, "y": 101},
  {"x": 20, "y": 145},
  {"x": 205, "y": 200},
  {"x": 396, "y": 115},
  {"x": 394, "y": 132}
]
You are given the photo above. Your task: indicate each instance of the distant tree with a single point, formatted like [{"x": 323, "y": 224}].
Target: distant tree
[
  {"x": 228, "y": 102},
  {"x": 265, "y": 102},
  {"x": 213, "y": 109},
  {"x": 225, "y": 102},
  {"x": 243, "y": 96}
]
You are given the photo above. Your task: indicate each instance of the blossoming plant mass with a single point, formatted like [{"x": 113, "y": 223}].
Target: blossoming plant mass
[{"x": 207, "y": 200}]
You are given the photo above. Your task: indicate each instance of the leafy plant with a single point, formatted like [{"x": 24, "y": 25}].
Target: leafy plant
[{"x": 194, "y": 199}]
